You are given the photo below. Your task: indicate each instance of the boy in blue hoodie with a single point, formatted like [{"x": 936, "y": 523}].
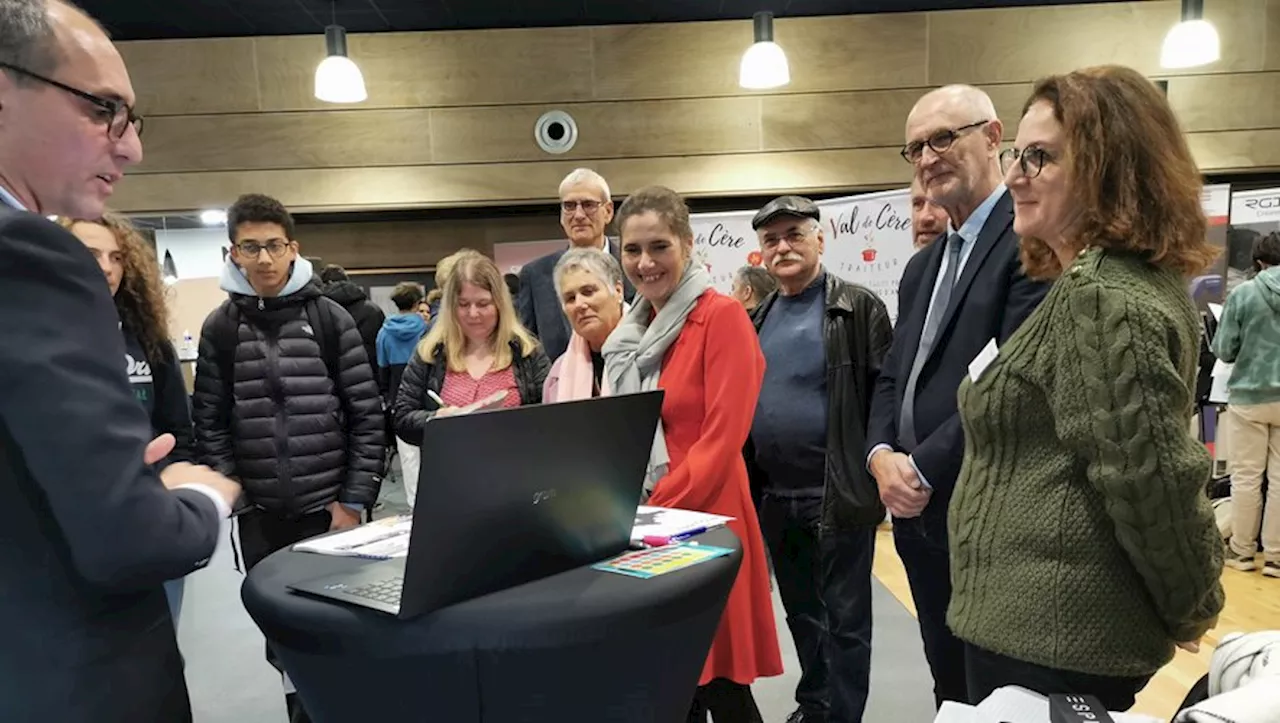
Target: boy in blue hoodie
[
  {"x": 397, "y": 340},
  {"x": 1249, "y": 337}
]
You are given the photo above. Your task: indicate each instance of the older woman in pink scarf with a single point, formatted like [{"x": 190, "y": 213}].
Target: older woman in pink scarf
[{"x": 589, "y": 286}]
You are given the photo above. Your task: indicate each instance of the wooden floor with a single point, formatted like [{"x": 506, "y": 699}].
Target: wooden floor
[{"x": 1253, "y": 603}]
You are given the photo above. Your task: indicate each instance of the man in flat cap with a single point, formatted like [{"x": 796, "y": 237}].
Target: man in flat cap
[{"x": 823, "y": 339}]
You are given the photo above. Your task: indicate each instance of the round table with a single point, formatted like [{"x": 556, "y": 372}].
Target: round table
[{"x": 578, "y": 646}]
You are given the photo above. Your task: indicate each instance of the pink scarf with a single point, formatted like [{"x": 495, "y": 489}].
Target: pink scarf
[{"x": 577, "y": 378}]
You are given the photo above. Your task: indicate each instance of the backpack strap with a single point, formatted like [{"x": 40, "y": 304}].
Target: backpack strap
[
  {"x": 320, "y": 316},
  {"x": 226, "y": 339}
]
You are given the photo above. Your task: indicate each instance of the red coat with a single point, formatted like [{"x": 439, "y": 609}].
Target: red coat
[{"x": 712, "y": 376}]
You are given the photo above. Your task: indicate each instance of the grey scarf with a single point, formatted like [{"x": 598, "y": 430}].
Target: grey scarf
[{"x": 634, "y": 352}]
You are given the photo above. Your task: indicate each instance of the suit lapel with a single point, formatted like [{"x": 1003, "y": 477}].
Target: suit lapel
[{"x": 997, "y": 223}]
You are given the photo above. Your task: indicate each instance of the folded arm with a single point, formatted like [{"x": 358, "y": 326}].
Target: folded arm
[{"x": 1120, "y": 402}]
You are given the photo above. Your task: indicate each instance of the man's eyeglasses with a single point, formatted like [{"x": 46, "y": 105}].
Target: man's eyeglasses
[
  {"x": 1031, "y": 160},
  {"x": 940, "y": 142},
  {"x": 794, "y": 238},
  {"x": 252, "y": 250},
  {"x": 588, "y": 207},
  {"x": 114, "y": 114}
]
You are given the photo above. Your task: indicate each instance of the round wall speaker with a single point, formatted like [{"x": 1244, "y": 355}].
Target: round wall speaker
[{"x": 555, "y": 132}]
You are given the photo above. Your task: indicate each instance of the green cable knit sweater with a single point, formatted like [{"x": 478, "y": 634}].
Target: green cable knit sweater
[{"x": 1081, "y": 535}]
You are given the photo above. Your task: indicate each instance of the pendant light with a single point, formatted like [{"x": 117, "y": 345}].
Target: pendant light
[
  {"x": 764, "y": 65},
  {"x": 170, "y": 270},
  {"x": 1192, "y": 42},
  {"x": 338, "y": 78}
]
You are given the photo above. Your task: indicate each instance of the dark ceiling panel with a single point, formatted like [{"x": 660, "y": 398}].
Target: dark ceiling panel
[{"x": 146, "y": 19}]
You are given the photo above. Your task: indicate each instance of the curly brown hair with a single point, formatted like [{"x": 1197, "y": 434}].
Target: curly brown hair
[
  {"x": 140, "y": 301},
  {"x": 1130, "y": 167}
]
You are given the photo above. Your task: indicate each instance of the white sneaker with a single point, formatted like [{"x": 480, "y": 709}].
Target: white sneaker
[{"x": 1239, "y": 562}]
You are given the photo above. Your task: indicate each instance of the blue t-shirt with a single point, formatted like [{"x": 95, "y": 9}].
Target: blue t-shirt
[{"x": 790, "y": 427}]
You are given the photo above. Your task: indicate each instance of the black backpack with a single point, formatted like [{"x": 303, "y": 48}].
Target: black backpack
[{"x": 325, "y": 329}]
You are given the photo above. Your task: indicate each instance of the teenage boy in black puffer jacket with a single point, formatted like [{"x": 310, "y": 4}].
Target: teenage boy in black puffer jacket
[{"x": 285, "y": 399}]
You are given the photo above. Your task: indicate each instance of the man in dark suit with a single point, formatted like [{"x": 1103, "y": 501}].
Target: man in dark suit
[
  {"x": 91, "y": 531},
  {"x": 585, "y": 212},
  {"x": 957, "y": 295}
]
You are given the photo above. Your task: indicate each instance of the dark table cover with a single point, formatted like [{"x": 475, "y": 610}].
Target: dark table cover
[{"x": 584, "y": 645}]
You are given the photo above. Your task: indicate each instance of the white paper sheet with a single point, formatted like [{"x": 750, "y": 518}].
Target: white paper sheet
[
  {"x": 380, "y": 540},
  {"x": 666, "y": 522},
  {"x": 1220, "y": 375}
]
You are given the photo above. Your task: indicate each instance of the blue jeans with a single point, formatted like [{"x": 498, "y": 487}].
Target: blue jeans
[
  {"x": 173, "y": 590},
  {"x": 824, "y": 578}
]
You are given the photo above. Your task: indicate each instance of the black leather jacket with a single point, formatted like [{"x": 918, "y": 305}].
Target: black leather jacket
[{"x": 857, "y": 334}]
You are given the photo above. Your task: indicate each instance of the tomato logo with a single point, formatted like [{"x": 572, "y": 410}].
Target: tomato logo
[
  {"x": 868, "y": 255},
  {"x": 754, "y": 258}
]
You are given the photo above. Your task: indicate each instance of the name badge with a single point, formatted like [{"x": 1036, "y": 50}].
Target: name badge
[{"x": 983, "y": 360}]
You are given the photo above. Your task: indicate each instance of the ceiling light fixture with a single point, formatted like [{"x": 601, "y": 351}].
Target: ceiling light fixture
[
  {"x": 338, "y": 78},
  {"x": 764, "y": 65},
  {"x": 1192, "y": 42}
]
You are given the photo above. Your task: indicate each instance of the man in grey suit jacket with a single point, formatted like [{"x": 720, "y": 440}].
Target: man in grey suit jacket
[
  {"x": 585, "y": 211},
  {"x": 91, "y": 531}
]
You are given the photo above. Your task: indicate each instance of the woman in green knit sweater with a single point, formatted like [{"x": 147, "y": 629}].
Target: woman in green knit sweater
[{"x": 1083, "y": 547}]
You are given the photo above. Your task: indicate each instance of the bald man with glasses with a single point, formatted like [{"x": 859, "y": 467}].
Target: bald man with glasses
[{"x": 960, "y": 294}]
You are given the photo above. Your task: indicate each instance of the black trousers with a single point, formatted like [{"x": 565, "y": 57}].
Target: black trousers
[
  {"x": 726, "y": 701},
  {"x": 922, "y": 544},
  {"x": 824, "y": 578},
  {"x": 262, "y": 533},
  {"x": 987, "y": 671}
]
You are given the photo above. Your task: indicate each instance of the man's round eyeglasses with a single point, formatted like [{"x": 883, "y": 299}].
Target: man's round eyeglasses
[
  {"x": 940, "y": 142},
  {"x": 114, "y": 114},
  {"x": 1030, "y": 160},
  {"x": 588, "y": 207}
]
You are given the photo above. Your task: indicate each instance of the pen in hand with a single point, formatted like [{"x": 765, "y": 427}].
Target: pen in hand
[{"x": 436, "y": 398}]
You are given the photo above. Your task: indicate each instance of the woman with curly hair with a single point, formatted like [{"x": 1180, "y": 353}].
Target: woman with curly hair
[
  {"x": 150, "y": 360},
  {"x": 1083, "y": 548}
]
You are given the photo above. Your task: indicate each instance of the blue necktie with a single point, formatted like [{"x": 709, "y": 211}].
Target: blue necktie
[{"x": 937, "y": 310}]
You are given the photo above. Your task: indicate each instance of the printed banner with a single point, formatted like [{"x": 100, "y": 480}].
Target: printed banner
[{"x": 868, "y": 242}]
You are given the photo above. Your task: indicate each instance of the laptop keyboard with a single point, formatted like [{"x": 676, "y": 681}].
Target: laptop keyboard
[{"x": 384, "y": 591}]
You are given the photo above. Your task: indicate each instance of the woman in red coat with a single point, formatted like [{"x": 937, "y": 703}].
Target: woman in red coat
[{"x": 699, "y": 346}]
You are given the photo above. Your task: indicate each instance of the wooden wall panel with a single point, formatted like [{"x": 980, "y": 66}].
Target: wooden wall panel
[
  {"x": 410, "y": 244},
  {"x": 1236, "y": 151},
  {"x": 1227, "y": 102},
  {"x": 341, "y": 189},
  {"x": 1012, "y": 45},
  {"x": 862, "y": 119},
  {"x": 701, "y": 59},
  {"x": 409, "y": 70},
  {"x": 450, "y": 115},
  {"x": 605, "y": 130},
  {"x": 287, "y": 140},
  {"x": 193, "y": 76},
  {"x": 1271, "y": 20}
]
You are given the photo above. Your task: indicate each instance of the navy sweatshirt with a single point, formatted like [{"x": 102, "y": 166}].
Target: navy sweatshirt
[{"x": 790, "y": 427}]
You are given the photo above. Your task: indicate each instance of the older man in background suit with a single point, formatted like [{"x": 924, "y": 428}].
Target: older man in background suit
[
  {"x": 957, "y": 294},
  {"x": 585, "y": 212},
  {"x": 91, "y": 531}
]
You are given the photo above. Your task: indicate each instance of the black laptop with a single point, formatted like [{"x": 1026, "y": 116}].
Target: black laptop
[{"x": 509, "y": 496}]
